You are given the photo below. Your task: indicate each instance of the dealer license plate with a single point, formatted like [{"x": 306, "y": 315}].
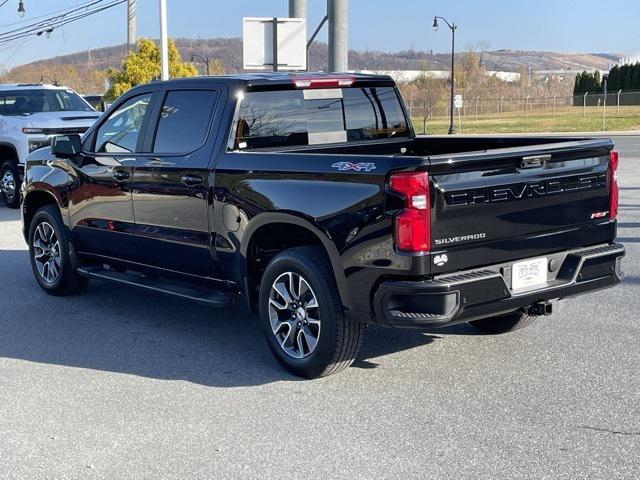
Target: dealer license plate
[{"x": 528, "y": 273}]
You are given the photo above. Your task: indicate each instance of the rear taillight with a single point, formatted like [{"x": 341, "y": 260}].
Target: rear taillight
[
  {"x": 413, "y": 223},
  {"x": 613, "y": 185}
]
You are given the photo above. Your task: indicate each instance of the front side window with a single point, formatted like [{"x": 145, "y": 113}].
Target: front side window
[
  {"x": 319, "y": 116},
  {"x": 120, "y": 132},
  {"x": 27, "y": 102},
  {"x": 184, "y": 121}
]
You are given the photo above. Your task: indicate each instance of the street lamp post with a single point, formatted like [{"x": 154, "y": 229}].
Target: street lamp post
[
  {"x": 202, "y": 60},
  {"x": 452, "y": 26}
]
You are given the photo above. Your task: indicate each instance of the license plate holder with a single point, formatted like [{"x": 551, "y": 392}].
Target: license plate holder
[{"x": 529, "y": 273}]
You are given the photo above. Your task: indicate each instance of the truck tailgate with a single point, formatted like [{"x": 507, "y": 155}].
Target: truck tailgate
[{"x": 503, "y": 204}]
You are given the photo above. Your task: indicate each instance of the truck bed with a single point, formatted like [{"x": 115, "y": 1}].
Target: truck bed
[{"x": 493, "y": 199}]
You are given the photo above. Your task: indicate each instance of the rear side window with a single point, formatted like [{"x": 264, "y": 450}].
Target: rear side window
[
  {"x": 184, "y": 121},
  {"x": 318, "y": 116}
]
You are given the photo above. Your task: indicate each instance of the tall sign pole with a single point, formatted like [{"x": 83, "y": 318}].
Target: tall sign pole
[
  {"x": 298, "y": 8},
  {"x": 131, "y": 26},
  {"x": 274, "y": 39},
  {"x": 164, "y": 47},
  {"x": 338, "y": 12}
]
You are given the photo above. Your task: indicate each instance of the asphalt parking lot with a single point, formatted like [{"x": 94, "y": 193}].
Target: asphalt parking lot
[{"x": 119, "y": 383}]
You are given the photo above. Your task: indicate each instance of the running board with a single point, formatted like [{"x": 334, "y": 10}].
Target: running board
[{"x": 210, "y": 298}]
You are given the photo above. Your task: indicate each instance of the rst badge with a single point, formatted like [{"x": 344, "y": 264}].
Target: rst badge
[{"x": 356, "y": 167}]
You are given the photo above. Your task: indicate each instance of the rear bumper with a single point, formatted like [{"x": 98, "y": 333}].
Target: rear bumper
[{"x": 475, "y": 294}]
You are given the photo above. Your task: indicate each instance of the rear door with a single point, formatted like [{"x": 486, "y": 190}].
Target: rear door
[
  {"x": 503, "y": 204},
  {"x": 171, "y": 184}
]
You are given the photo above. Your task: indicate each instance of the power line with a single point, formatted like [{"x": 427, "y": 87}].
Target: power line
[
  {"x": 80, "y": 5},
  {"x": 18, "y": 48},
  {"x": 54, "y": 23},
  {"x": 37, "y": 25}
]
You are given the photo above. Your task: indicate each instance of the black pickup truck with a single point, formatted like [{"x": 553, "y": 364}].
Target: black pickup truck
[{"x": 310, "y": 198}]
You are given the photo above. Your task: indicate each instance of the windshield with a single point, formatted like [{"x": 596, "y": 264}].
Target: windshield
[
  {"x": 319, "y": 116},
  {"x": 26, "y": 102}
]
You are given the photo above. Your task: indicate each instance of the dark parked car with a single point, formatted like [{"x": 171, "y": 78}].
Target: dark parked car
[{"x": 310, "y": 199}]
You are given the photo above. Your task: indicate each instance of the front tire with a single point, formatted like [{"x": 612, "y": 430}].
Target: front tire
[
  {"x": 302, "y": 316},
  {"x": 51, "y": 254},
  {"x": 504, "y": 323},
  {"x": 10, "y": 184}
]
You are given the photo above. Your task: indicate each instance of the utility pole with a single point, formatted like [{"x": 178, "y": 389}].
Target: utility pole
[
  {"x": 298, "y": 8},
  {"x": 131, "y": 26},
  {"x": 338, "y": 12},
  {"x": 164, "y": 47}
]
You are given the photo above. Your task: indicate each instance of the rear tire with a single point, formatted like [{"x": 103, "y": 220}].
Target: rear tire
[
  {"x": 306, "y": 327},
  {"x": 52, "y": 254},
  {"x": 504, "y": 323},
  {"x": 10, "y": 184}
]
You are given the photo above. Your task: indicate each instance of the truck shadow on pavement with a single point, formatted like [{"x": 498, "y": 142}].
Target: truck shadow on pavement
[{"x": 117, "y": 329}]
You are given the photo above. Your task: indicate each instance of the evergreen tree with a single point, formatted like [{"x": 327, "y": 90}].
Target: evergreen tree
[
  {"x": 577, "y": 86},
  {"x": 635, "y": 77},
  {"x": 613, "y": 78},
  {"x": 596, "y": 81},
  {"x": 628, "y": 77}
]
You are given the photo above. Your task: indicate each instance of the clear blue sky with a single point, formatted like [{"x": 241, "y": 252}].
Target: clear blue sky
[{"x": 554, "y": 25}]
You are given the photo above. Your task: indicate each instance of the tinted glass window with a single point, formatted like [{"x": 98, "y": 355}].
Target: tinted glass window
[
  {"x": 26, "y": 102},
  {"x": 271, "y": 119},
  {"x": 373, "y": 113},
  {"x": 120, "y": 132},
  {"x": 282, "y": 118},
  {"x": 325, "y": 115},
  {"x": 184, "y": 121}
]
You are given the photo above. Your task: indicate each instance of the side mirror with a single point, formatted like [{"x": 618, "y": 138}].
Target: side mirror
[{"x": 66, "y": 146}]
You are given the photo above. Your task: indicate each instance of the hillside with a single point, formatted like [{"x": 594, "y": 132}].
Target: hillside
[{"x": 84, "y": 71}]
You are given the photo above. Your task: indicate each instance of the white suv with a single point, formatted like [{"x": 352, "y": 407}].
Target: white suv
[{"x": 30, "y": 116}]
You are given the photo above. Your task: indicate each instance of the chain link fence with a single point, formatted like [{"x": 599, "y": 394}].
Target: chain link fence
[{"x": 620, "y": 109}]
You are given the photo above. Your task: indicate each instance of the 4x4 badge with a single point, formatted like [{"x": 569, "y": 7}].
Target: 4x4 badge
[
  {"x": 358, "y": 167},
  {"x": 440, "y": 260}
]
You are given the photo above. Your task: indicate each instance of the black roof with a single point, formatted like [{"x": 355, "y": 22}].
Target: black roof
[{"x": 276, "y": 78}]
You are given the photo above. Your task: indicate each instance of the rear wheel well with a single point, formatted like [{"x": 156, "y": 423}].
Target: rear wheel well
[
  {"x": 266, "y": 242},
  {"x": 33, "y": 202}
]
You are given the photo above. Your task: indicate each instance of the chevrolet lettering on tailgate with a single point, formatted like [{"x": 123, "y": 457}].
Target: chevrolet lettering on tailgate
[{"x": 520, "y": 191}]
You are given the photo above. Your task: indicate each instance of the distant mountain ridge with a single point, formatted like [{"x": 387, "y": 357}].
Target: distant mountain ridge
[{"x": 86, "y": 69}]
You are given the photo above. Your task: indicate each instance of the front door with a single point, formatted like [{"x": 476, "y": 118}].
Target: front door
[
  {"x": 101, "y": 205},
  {"x": 171, "y": 185}
]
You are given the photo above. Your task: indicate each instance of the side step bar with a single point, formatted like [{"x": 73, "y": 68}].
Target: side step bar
[{"x": 210, "y": 298}]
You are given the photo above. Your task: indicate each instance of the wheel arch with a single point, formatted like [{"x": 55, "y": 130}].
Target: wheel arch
[
  {"x": 33, "y": 201},
  {"x": 8, "y": 151},
  {"x": 270, "y": 226}
]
